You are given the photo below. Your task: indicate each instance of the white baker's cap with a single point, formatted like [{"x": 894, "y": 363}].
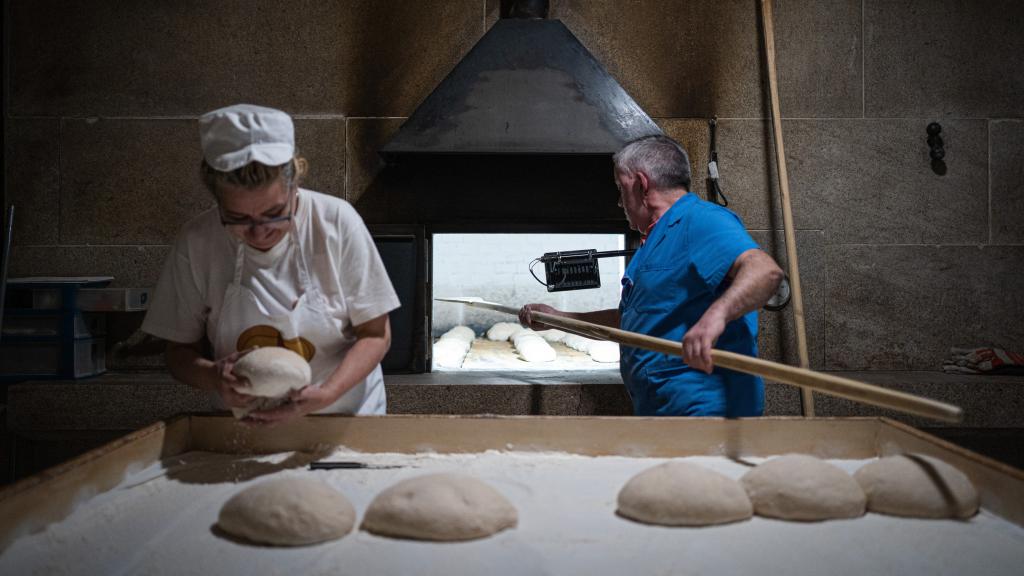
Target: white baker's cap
[{"x": 237, "y": 135}]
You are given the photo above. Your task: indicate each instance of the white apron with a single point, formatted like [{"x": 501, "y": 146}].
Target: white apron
[{"x": 308, "y": 322}]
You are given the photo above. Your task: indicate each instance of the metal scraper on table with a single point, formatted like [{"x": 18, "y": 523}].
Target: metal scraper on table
[{"x": 351, "y": 466}]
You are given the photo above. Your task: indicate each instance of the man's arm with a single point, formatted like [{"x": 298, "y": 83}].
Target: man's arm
[
  {"x": 754, "y": 278},
  {"x": 610, "y": 317},
  {"x": 373, "y": 339}
]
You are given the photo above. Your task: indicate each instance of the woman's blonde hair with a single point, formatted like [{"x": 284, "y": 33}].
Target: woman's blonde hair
[{"x": 254, "y": 175}]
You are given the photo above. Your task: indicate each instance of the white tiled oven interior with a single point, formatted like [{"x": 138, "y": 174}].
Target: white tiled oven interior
[{"x": 496, "y": 267}]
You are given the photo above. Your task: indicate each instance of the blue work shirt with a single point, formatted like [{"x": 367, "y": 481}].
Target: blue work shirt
[{"x": 669, "y": 284}]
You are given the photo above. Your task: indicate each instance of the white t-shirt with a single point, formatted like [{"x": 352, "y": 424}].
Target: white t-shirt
[{"x": 343, "y": 261}]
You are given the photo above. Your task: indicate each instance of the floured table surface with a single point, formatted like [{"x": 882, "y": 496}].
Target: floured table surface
[{"x": 161, "y": 521}]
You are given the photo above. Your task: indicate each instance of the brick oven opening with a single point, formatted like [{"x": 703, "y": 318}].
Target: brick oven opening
[{"x": 496, "y": 267}]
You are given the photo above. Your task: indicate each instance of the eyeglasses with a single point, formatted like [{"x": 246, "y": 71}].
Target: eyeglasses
[{"x": 277, "y": 222}]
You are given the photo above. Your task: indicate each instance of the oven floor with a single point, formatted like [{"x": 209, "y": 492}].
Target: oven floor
[{"x": 487, "y": 355}]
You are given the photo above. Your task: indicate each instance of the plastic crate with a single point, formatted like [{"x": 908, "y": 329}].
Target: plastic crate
[
  {"x": 46, "y": 335},
  {"x": 53, "y": 359},
  {"x": 19, "y": 324}
]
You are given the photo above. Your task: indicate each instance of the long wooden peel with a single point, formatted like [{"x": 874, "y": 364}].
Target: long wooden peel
[
  {"x": 801, "y": 377},
  {"x": 768, "y": 22}
]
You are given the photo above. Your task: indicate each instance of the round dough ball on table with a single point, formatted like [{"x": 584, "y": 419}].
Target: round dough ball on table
[
  {"x": 289, "y": 511},
  {"x": 440, "y": 507},
  {"x": 801, "y": 487},
  {"x": 272, "y": 373},
  {"x": 503, "y": 331},
  {"x": 917, "y": 486},
  {"x": 679, "y": 493}
]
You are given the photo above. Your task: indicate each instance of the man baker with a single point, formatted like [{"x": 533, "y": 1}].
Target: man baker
[{"x": 699, "y": 278}]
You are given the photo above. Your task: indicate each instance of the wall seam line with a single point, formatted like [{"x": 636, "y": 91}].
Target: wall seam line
[
  {"x": 989, "y": 136},
  {"x": 60, "y": 178},
  {"x": 347, "y": 164},
  {"x": 824, "y": 312},
  {"x": 863, "y": 58}
]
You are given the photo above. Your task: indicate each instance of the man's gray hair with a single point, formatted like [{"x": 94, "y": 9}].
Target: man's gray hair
[{"x": 661, "y": 158}]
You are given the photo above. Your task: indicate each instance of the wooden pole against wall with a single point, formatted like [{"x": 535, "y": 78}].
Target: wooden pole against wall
[{"x": 767, "y": 20}]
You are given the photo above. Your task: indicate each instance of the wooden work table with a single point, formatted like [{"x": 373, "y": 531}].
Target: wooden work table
[
  {"x": 51, "y": 421},
  {"x": 158, "y": 490}
]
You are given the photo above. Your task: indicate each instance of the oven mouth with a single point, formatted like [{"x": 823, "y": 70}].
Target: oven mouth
[{"x": 497, "y": 268}]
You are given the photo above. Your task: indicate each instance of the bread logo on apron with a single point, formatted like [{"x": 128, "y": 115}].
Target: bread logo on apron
[{"x": 264, "y": 336}]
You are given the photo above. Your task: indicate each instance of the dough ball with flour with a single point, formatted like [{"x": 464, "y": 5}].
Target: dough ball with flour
[
  {"x": 502, "y": 331},
  {"x": 288, "y": 512},
  {"x": 679, "y": 493},
  {"x": 801, "y": 487},
  {"x": 918, "y": 486},
  {"x": 464, "y": 333},
  {"x": 441, "y": 507},
  {"x": 455, "y": 343},
  {"x": 604, "y": 351},
  {"x": 577, "y": 342},
  {"x": 450, "y": 352},
  {"x": 599, "y": 350},
  {"x": 532, "y": 347},
  {"x": 552, "y": 335},
  {"x": 271, "y": 373}
]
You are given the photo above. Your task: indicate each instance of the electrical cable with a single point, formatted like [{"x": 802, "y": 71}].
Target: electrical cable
[
  {"x": 532, "y": 273},
  {"x": 714, "y": 189}
]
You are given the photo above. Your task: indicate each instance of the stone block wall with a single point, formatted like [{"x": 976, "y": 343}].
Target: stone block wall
[{"x": 898, "y": 262}]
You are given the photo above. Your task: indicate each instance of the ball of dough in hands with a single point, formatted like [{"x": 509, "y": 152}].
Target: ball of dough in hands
[
  {"x": 917, "y": 486},
  {"x": 679, "y": 493},
  {"x": 288, "y": 511},
  {"x": 270, "y": 373},
  {"x": 441, "y": 507},
  {"x": 801, "y": 487}
]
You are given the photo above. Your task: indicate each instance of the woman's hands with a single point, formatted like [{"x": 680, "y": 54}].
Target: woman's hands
[
  {"x": 225, "y": 381},
  {"x": 373, "y": 338},
  {"x": 300, "y": 402}
]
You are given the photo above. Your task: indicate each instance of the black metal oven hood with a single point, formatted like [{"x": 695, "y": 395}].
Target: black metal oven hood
[{"x": 527, "y": 87}]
